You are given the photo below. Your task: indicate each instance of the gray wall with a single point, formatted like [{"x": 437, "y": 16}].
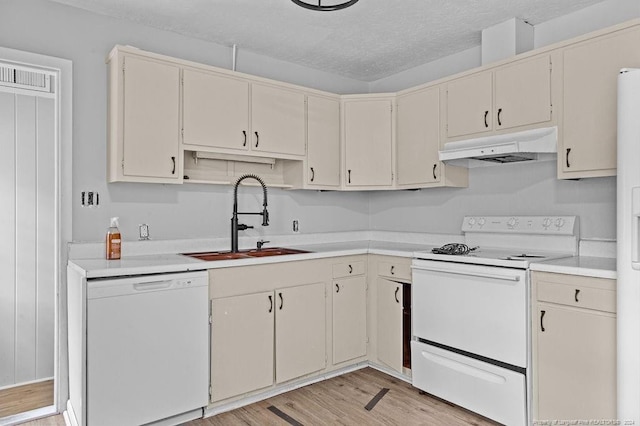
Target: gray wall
[
  {"x": 203, "y": 211},
  {"x": 514, "y": 189},
  {"x": 171, "y": 211}
]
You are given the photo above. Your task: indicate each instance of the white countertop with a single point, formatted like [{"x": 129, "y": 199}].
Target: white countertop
[
  {"x": 163, "y": 263},
  {"x": 599, "y": 267}
]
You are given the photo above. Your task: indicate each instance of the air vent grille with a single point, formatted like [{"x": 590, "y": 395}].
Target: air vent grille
[{"x": 30, "y": 79}]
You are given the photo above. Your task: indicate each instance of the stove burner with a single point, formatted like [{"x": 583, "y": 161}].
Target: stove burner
[{"x": 454, "y": 248}]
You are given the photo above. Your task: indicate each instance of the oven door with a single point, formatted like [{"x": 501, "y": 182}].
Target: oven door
[{"x": 481, "y": 310}]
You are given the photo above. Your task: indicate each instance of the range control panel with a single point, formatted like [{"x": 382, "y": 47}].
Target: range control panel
[{"x": 550, "y": 225}]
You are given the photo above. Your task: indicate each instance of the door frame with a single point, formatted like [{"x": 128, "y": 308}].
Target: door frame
[{"x": 62, "y": 69}]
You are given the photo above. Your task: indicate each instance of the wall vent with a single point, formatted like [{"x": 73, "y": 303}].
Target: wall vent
[{"x": 24, "y": 78}]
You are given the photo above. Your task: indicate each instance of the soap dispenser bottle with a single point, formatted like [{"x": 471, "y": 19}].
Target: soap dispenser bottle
[{"x": 113, "y": 240}]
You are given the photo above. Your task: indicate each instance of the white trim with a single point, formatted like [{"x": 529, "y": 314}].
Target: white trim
[
  {"x": 28, "y": 416},
  {"x": 62, "y": 69}
]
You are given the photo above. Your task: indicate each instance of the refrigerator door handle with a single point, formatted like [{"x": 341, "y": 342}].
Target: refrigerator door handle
[{"x": 635, "y": 228}]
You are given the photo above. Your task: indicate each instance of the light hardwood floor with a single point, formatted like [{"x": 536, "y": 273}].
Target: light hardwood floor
[
  {"x": 342, "y": 401},
  {"x": 25, "y": 398}
]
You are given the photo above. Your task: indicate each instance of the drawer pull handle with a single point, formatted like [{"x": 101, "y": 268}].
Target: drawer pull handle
[
  {"x": 396, "y": 294},
  {"x": 392, "y": 268},
  {"x": 281, "y": 301},
  {"x": 337, "y": 288},
  {"x": 350, "y": 269},
  {"x": 576, "y": 295},
  {"x": 542, "y": 320},
  {"x": 270, "y": 303}
]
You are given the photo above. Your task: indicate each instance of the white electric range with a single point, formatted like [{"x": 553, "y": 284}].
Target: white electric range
[{"x": 471, "y": 313}]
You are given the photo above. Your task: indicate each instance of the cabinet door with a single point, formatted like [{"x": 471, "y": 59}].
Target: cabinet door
[
  {"x": 576, "y": 363},
  {"x": 523, "y": 93},
  {"x": 216, "y": 110},
  {"x": 418, "y": 140},
  {"x": 151, "y": 125},
  {"x": 469, "y": 105},
  {"x": 349, "y": 318},
  {"x": 277, "y": 120},
  {"x": 323, "y": 141},
  {"x": 389, "y": 323},
  {"x": 300, "y": 331},
  {"x": 368, "y": 140},
  {"x": 589, "y": 131},
  {"x": 241, "y": 344}
]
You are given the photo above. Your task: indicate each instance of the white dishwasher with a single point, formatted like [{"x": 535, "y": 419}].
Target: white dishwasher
[{"x": 147, "y": 349}]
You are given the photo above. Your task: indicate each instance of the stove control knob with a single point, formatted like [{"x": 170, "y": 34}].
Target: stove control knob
[
  {"x": 546, "y": 223},
  {"x": 512, "y": 222},
  {"x": 559, "y": 222},
  {"x": 471, "y": 221},
  {"x": 481, "y": 222}
]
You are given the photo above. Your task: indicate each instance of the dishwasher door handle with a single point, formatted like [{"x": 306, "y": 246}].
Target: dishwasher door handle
[
  {"x": 152, "y": 285},
  {"x": 514, "y": 278}
]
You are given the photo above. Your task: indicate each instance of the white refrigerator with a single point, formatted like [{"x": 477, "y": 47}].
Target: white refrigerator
[{"x": 628, "y": 246}]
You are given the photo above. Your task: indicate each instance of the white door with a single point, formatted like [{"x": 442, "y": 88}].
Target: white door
[
  {"x": 300, "y": 331},
  {"x": 28, "y": 234},
  {"x": 349, "y": 318}
]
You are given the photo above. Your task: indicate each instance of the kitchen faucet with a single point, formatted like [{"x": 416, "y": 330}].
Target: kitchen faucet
[{"x": 235, "y": 226}]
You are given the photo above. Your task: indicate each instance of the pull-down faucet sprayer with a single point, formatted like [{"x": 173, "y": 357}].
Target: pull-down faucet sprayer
[{"x": 235, "y": 226}]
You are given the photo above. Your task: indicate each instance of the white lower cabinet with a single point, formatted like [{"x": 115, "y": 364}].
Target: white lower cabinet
[
  {"x": 300, "y": 331},
  {"x": 389, "y": 323},
  {"x": 574, "y": 357},
  {"x": 349, "y": 318},
  {"x": 241, "y": 344},
  {"x": 264, "y": 338}
]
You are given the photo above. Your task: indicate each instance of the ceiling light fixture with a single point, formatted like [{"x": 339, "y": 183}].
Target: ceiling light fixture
[{"x": 334, "y": 5}]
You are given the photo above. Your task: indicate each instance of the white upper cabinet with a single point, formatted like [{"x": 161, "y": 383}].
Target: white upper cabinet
[
  {"x": 418, "y": 143},
  {"x": 144, "y": 120},
  {"x": 216, "y": 110},
  {"x": 469, "y": 105},
  {"x": 513, "y": 96},
  {"x": 277, "y": 120},
  {"x": 230, "y": 115},
  {"x": 368, "y": 139},
  {"x": 323, "y": 142},
  {"x": 589, "y": 129},
  {"x": 523, "y": 93}
]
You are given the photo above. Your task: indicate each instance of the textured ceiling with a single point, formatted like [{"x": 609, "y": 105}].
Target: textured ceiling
[{"x": 368, "y": 41}]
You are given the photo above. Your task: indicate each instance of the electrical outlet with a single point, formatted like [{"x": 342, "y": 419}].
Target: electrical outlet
[
  {"x": 89, "y": 199},
  {"x": 296, "y": 228},
  {"x": 144, "y": 231}
]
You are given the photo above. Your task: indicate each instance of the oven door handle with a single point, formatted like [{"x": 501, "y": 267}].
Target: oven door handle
[{"x": 470, "y": 274}]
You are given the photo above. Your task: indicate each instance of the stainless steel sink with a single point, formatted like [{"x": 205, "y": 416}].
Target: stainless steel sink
[{"x": 244, "y": 254}]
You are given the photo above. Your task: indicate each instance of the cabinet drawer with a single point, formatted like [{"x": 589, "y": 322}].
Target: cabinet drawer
[
  {"x": 348, "y": 269},
  {"x": 395, "y": 270},
  {"x": 582, "y": 294}
]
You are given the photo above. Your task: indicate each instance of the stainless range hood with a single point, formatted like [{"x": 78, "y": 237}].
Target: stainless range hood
[{"x": 530, "y": 145}]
